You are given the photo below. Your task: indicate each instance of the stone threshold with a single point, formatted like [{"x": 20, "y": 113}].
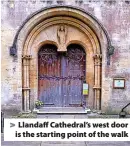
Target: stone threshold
[{"x": 62, "y": 110}]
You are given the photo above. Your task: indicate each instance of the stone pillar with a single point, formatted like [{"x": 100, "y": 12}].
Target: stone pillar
[
  {"x": 25, "y": 82},
  {"x": 97, "y": 81}
]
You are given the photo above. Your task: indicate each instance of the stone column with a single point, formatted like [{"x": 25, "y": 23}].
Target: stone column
[
  {"x": 25, "y": 82},
  {"x": 97, "y": 81}
]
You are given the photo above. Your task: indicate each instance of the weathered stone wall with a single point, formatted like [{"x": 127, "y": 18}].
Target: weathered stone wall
[{"x": 114, "y": 16}]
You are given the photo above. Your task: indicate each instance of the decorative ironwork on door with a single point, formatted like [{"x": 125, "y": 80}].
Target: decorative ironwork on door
[{"x": 60, "y": 76}]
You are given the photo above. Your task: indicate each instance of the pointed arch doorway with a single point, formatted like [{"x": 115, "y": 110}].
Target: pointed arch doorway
[{"x": 60, "y": 76}]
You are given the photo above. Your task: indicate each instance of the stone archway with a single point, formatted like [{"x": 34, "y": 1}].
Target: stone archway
[{"x": 75, "y": 26}]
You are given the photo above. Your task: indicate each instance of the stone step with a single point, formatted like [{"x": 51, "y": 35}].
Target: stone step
[{"x": 62, "y": 110}]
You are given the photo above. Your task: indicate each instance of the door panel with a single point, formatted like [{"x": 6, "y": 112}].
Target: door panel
[
  {"x": 60, "y": 76},
  {"x": 75, "y": 69},
  {"x": 49, "y": 67}
]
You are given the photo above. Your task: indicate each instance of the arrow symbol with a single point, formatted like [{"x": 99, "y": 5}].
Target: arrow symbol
[{"x": 12, "y": 124}]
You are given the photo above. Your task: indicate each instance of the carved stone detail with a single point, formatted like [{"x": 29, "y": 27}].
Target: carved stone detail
[
  {"x": 26, "y": 84},
  {"x": 97, "y": 84},
  {"x": 97, "y": 59},
  {"x": 62, "y": 36},
  {"x": 26, "y": 56}
]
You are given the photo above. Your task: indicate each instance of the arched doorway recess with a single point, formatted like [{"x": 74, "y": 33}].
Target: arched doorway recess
[{"x": 62, "y": 26}]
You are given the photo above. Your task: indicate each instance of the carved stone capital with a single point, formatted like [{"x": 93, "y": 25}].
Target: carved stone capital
[
  {"x": 97, "y": 59},
  {"x": 97, "y": 56},
  {"x": 26, "y": 56},
  {"x": 26, "y": 60}
]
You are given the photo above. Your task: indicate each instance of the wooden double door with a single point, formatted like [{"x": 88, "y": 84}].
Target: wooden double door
[{"x": 61, "y": 75}]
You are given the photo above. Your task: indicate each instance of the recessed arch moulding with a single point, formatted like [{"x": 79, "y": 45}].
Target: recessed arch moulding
[{"x": 78, "y": 28}]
